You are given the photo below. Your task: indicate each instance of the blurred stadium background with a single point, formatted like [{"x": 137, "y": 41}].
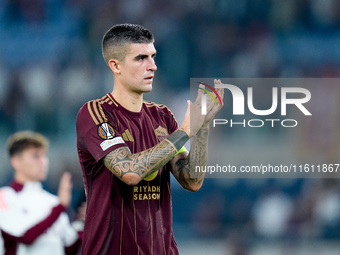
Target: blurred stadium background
[{"x": 51, "y": 64}]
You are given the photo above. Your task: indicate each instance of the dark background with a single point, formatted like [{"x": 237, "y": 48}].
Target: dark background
[{"x": 51, "y": 64}]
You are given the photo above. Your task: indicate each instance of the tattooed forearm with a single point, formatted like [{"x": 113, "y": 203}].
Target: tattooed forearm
[
  {"x": 185, "y": 168},
  {"x": 121, "y": 162}
]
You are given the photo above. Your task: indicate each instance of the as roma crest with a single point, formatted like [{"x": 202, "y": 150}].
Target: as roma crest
[{"x": 161, "y": 133}]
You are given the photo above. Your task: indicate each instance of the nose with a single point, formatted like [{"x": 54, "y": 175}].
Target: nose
[{"x": 152, "y": 65}]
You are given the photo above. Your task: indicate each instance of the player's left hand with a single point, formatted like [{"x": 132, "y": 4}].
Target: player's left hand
[{"x": 212, "y": 108}]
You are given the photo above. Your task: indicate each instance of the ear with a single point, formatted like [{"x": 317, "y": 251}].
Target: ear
[
  {"x": 15, "y": 162},
  {"x": 114, "y": 65}
]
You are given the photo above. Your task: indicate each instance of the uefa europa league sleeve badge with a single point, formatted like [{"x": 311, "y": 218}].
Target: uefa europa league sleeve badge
[{"x": 106, "y": 131}]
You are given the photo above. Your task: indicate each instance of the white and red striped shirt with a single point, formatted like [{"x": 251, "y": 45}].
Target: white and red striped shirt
[{"x": 33, "y": 221}]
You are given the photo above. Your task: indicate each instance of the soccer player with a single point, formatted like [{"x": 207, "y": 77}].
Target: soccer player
[
  {"x": 127, "y": 149},
  {"x": 32, "y": 220}
]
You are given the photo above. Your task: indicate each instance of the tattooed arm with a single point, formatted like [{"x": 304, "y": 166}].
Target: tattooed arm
[
  {"x": 132, "y": 168},
  {"x": 183, "y": 165}
]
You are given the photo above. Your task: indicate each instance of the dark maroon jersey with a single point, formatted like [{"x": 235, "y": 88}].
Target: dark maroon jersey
[{"x": 123, "y": 219}]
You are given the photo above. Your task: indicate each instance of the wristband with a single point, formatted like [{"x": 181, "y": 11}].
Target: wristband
[{"x": 178, "y": 139}]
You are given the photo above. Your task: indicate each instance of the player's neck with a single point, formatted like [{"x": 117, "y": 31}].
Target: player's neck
[
  {"x": 19, "y": 179},
  {"x": 22, "y": 179},
  {"x": 130, "y": 101}
]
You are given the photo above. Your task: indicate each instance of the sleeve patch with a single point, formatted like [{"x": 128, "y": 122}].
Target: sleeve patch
[
  {"x": 106, "y": 131},
  {"x": 109, "y": 143}
]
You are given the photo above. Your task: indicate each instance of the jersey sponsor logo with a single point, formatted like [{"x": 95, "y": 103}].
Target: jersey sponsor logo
[
  {"x": 161, "y": 133},
  {"x": 106, "y": 131},
  {"x": 109, "y": 143},
  {"x": 147, "y": 193}
]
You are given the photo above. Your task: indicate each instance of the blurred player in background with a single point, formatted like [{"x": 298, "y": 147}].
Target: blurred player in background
[
  {"x": 32, "y": 220},
  {"x": 127, "y": 148}
]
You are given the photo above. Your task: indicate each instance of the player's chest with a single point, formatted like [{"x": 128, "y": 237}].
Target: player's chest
[{"x": 142, "y": 133}]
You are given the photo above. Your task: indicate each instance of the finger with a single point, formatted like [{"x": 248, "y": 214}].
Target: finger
[
  {"x": 189, "y": 103},
  {"x": 200, "y": 93},
  {"x": 210, "y": 104},
  {"x": 216, "y": 106},
  {"x": 215, "y": 98},
  {"x": 220, "y": 92},
  {"x": 217, "y": 81},
  {"x": 67, "y": 176},
  {"x": 213, "y": 101},
  {"x": 213, "y": 108},
  {"x": 65, "y": 180}
]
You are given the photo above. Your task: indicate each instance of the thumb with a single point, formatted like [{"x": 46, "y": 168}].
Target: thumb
[
  {"x": 65, "y": 180},
  {"x": 66, "y": 176},
  {"x": 200, "y": 93},
  {"x": 187, "y": 113}
]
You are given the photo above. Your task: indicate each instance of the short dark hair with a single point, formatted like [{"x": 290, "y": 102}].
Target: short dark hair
[
  {"x": 115, "y": 39},
  {"x": 20, "y": 141}
]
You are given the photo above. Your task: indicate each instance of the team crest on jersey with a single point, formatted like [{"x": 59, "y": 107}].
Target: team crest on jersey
[
  {"x": 106, "y": 131},
  {"x": 161, "y": 133}
]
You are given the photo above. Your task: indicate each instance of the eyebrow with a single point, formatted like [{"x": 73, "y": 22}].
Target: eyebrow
[{"x": 141, "y": 56}]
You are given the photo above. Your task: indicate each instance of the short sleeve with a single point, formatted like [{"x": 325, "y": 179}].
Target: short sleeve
[
  {"x": 95, "y": 133},
  {"x": 173, "y": 122}
]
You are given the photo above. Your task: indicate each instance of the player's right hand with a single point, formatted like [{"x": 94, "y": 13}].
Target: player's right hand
[
  {"x": 193, "y": 119},
  {"x": 212, "y": 108}
]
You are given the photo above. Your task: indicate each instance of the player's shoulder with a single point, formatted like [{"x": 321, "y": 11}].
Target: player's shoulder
[
  {"x": 93, "y": 110},
  {"x": 7, "y": 190},
  {"x": 158, "y": 107},
  {"x": 161, "y": 109},
  {"x": 7, "y": 195},
  {"x": 93, "y": 105}
]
